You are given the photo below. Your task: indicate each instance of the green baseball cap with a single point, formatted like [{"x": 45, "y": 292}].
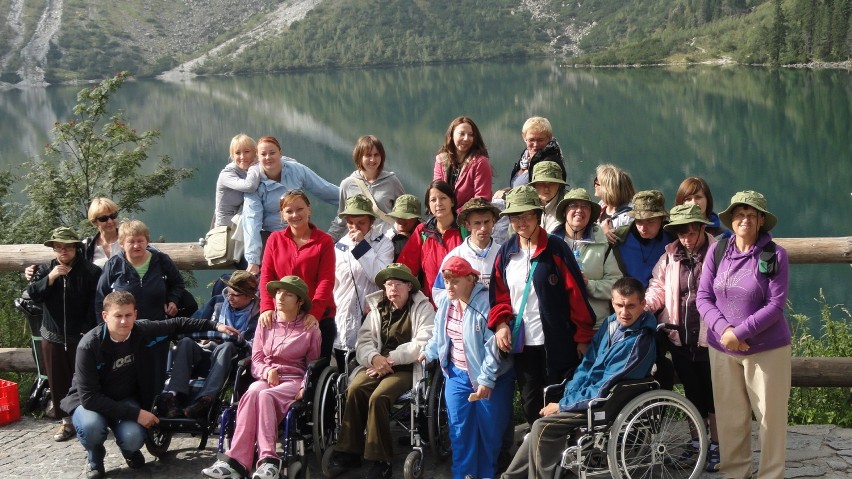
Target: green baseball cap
[
  {"x": 520, "y": 199},
  {"x": 63, "y": 234},
  {"x": 397, "y": 271},
  {"x": 358, "y": 205},
  {"x": 577, "y": 194},
  {"x": 406, "y": 207},
  {"x": 549, "y": 171},
  {"x": 293, "y": 284},
  {"x": 477, "y": 204},
  {"x": 648, "y": 204},
  {"x": 756, "y": 201},
  {"x": 684, "y": 215}
]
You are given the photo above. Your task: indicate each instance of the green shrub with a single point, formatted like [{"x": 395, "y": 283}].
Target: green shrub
[{"x": 822, "y": 405}]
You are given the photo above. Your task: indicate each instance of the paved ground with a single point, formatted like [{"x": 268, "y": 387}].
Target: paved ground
[{"x": 27, "y": 450}]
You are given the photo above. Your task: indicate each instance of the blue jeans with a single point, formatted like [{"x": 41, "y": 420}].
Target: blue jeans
[
  {"x": 92, "y": 432},
  {"x": 190, "y": 356}
]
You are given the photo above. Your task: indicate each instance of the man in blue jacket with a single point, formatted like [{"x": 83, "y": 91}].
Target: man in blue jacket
[{"x": 623, "y": 348}]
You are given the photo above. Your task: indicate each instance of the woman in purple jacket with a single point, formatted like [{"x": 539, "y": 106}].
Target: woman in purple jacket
[{"x": 741, "y": 297}]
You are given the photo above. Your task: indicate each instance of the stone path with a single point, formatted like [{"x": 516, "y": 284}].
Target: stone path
[{"x": 28, "y": 450}]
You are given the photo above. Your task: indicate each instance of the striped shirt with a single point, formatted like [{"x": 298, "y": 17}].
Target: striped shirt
[{"x": 455, "y": 333}]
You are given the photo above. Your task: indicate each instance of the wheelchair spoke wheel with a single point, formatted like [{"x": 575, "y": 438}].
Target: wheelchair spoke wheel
[
  {"x": 438, "y": 423},
  {"x": 413, "y": 467},
  {"x": 299, "y": 469},
  {"x": 651, "y": 435},
  {"x": 325, "y": 414},
  {"x": 157, "y": 442}
]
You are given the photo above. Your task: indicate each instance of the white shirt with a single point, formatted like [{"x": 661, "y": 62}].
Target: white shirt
[{"x": 517, "y": 272}]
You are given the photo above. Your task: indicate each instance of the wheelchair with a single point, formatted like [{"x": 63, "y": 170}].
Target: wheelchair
[
  {"x": 295, "y": 431},
  {"x": 637, "y": 430},
  {"x": 421, "y": 412}
]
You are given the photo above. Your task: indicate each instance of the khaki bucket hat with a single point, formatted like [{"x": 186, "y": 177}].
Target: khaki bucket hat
[
  {"x": 548, "y": 171},
  {"x": 577, "y": 194},
  {"x": 648, "y": 204},
  {"x": 358, "y": 205},
  {"x": 63, "y": 234},
  {"x": 684, "y": 215},
  {"x": 397, "y": 271},
  {"x": 242, "y": 282},
  {"x": 520, "y": 199},
  {"x": 477, "y": 204},
  {"x": 293, "y": 284},
  {"x": 756, "y": 201},
  {"x": 406, "y": 207}
]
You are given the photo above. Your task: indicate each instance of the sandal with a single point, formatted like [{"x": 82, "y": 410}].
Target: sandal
[
  {"x": 713, "y": 458},
  {"x": 65, "y": 432}
]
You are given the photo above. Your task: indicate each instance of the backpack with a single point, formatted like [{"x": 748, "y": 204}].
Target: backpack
[{"x": 767, "y": 264}]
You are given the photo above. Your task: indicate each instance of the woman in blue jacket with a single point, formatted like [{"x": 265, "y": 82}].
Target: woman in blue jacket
[{"x": 478, "y": 383}]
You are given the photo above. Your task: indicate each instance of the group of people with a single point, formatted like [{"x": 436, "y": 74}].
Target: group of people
[{"x": 531, "y": 284}]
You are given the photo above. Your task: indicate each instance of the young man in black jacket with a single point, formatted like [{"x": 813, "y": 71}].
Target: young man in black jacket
[{"x": 111, "y": 381}]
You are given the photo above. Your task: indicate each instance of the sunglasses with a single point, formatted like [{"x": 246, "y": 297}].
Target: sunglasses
[{"x": 105, "y": 218}]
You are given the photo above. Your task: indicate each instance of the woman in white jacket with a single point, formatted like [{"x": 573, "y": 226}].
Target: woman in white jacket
[
  {"x": 394, "y": 333},
  {"x": 359, "y": 256}
]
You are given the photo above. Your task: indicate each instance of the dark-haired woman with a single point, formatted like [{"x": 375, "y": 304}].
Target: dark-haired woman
[
  {"x": 431, "y": 241},
  {"x": 695, "y": 191},
  {"x": 463, "y": 161}
]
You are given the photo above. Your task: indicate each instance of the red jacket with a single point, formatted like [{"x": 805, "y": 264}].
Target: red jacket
[
  {"x": 313, "y": 262},
  {"x": 474, "y": 179},
  {"x": 425, "y": 251}
]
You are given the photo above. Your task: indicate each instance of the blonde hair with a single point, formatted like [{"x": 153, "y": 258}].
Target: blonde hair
[
  {"x": 101, "y": 206},
  {"x": 241, "y": 141},
  {"x": 616, "y": 185},
  {"x": 132, "y": 228},
  {"x": 538, "y": 124}
]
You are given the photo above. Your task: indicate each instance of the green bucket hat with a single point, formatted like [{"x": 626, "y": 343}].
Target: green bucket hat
[
  {"x": 684, "y": 215},
  {"x": 756, "y": 201},
  {"x": 547, "y": 171},
  {"x": 577, "y": 194},
  {"x": 397, "y": 271},
  {"x": 648, "y": 204},
  {"x": 358, "y": 205},
  {"x": 477, "y": 204},
  {"x": 293, "y": 284},
  {"x": 63, "y": 234},
  {"x": 406, "y": 207},
  {"x": 520, "y": 199}
]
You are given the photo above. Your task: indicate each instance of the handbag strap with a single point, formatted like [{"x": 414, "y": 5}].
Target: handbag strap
[
  {"x": 379, "y": 213},
  {"x": 517, "y": 345}
]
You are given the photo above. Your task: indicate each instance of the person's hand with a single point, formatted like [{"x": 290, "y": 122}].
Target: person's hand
[
  {"x": 581, "y": 349},
  {"x": 483, "y": 392},
  {"x": 171, "y": 309},
  {"x": 609, "y": 231},
  {"x": 265, "y": 318},
  {"x": 551, "y": 408},
  {"x": 272, "y": 377},
  {"x": 224, "y": 328},
  {"x": 585, "y": 279},
  {"x": 356, "y": 236},
  {"x": 253, "y": 269},
  {"x": 422, "y": 357},
  {"x": 311, "y": 321},
  {"x": 146, "y": 419},
  {"x": 300, "y": 394},
  {"x": 30, "y": 272},
  {"x": 730, "y": 341},
  {"x": 504, "y": 337},
  {"x": 382, "y": 366},
  {"x": 56, "y": 272}
]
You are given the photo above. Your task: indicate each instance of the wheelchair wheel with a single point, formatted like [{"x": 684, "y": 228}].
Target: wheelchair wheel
[
  {"x": 413, "y": 467},
  {"x": 438, "y": 424},
  {"x": 325, "y": 415},
  {"x": 157, "y": 442},
  {"x": 325, "y": 464},
  {"x": 299, "y": 469},
  {"x": 650, "y": 438}
]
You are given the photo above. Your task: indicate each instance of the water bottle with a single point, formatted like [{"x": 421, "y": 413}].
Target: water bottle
[{"x": 577, "y": 258}]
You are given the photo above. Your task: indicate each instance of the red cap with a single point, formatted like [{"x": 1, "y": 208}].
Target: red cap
[{"x": 458, "y": 266}]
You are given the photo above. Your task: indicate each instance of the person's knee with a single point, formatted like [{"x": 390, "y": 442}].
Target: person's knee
[
  {"x": 130, "y": 436},
  {"x": 92, "y": 428}
]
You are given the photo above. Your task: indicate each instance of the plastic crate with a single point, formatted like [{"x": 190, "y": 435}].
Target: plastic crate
[{"x": 10, "y": 408}]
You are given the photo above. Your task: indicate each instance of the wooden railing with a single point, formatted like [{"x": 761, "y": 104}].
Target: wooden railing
[{"x": 829, "y": 372}]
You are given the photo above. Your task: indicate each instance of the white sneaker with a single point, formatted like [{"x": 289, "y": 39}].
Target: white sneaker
[
  {"x": 221, "y": 470},
  {"x": 267, "y": 470}
]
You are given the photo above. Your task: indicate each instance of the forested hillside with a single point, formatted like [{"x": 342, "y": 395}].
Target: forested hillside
[{"x": 61, "y": 40}]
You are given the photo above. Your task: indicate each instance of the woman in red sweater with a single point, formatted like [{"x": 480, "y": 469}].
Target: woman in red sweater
[
  {"x": 303, "y": 250},
  {"x": 463, "y": 162}
]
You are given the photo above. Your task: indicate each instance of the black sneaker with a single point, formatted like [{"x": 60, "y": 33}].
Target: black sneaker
[
  {"x": 135, "y": 460},
  {"x": 168, "y": 406},
  {"x": 94, "y": 472},
  {"x": 344, "y": 460},
  {"x": 380, "y": 470},
  {"x": 199, "y": 408}
]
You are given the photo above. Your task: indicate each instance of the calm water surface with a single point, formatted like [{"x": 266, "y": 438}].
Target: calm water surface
[{"x": 784, "y": 133}]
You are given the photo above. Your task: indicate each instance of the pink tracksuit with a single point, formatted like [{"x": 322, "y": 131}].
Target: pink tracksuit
[{"x": 287, "y": 347}]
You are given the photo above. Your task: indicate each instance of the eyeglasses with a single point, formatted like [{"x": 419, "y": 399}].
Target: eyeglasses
[
  {"x": 293, "y": 193},
  {"x": 579, "y": 205},
  {"x": 63, "y": 246},
  {"x": 105, "y": 218},
  {"x": 522, "y": 218},
  {"x": 395, "y": 284},
  {"x": 596, "y": 182}
]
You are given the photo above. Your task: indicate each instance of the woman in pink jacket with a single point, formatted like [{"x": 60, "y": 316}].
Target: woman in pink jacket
[
  {"x": 672, "y": 295},
  {"x": 463, "y": 161},
  {"x": 279, "y": 359}
]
